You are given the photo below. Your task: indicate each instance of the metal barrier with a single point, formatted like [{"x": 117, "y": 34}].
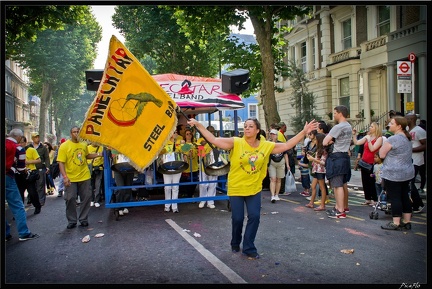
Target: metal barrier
[{"x": 110, "y": 188}]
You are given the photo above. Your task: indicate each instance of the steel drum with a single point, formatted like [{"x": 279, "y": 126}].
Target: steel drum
[
  {"x": 213, "y": 167},
  {"x": 121, "y": 164},
  {"x": 171, "y": 163}
]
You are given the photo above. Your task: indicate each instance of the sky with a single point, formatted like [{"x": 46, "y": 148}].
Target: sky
[{"x": 103, "y": 15}]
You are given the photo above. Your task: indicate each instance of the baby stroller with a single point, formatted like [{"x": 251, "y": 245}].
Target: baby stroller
[{"x": 382, "y": 205}]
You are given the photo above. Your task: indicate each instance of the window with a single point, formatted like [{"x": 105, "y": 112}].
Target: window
[
  {"x": 346, "y": 34},
  {"x": 303, "y": 56},
  {"x": 344, "y": 97},
  {"x": 383, "y": 20},
  {"x": 253, "y": 111}
]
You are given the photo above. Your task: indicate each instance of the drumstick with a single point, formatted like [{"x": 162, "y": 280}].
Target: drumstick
[{"x": 215, "y": 151}]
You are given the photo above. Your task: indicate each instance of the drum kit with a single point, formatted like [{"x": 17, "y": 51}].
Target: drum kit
[
  {"x": 122, "y": 164},
  {"x": 215, "y": 162}
]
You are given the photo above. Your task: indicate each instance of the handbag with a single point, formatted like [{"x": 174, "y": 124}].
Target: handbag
[
  {"x": 365, "y": 165},
  {"x": 277, "y": 157},
  {"x": 290, "y": 186},
  {"x": 32, "y": 176}
]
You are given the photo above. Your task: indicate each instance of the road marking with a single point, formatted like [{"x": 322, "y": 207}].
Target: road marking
[{"x": 224, "y": 269}]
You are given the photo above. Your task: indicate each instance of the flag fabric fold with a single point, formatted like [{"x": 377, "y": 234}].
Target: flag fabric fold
[{"x": 131, "y": 113}]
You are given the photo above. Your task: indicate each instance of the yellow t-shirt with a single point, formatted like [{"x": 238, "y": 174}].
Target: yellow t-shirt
[
  {"x": 248, "y": 167},
  {"x": 73, "y": 155},
  {"x": 97, "y": 162},
  {"x": 191, "y": 152},
  {"x": 31, "y": 155},
  {"x": 281, "y": 137},
  {"x": 204, "y": 150}
]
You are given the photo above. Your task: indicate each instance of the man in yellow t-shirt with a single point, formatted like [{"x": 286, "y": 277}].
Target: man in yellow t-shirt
[{"x": 72, "y": 158}]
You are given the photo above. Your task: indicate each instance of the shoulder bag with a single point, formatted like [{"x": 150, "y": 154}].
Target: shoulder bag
[{"x": 365, "y": 165}]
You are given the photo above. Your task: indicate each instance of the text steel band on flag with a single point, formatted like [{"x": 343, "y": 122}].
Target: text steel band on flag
[{"x": 131, "y": 113}]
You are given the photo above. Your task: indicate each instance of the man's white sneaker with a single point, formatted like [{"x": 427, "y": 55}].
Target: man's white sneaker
[
  {"x": 211, "y": 206},
  {"x": 167, "y": 209},
  {"x": 273, "y": 199},
  {"x": 201, "y": 205},
  {"x": 121, "y": 213},
  {"x": 91, "y": 204},
  {"x": 97, "y": 205},
  {"x": 125, "y": 211},
  {"x": 277, "y": 198}
]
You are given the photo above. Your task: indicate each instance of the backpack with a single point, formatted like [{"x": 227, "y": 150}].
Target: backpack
[{"x": 54, "y": 167}]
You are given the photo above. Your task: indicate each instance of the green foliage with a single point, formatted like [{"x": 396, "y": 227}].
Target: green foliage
[
  {"x": 23, "y": 23},
  {"x": 151, "y": 31},
  {"x": 301, "y": 99},
  {"x": 56, "y": 62}
]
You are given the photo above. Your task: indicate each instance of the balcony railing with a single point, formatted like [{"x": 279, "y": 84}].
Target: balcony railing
[
  {"x": 344, "y": 55},
  {"x": 408, "y": 30},
  {"x": 374, "y": 44}
]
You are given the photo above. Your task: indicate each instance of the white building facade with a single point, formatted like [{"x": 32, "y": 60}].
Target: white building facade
[{"x": 350, "y": 54}]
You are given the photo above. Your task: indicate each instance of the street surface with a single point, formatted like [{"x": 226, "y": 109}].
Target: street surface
[{"x": 150, "y": 246}]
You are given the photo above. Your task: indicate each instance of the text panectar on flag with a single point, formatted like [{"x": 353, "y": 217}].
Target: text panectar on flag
[{"x": 131, "y": 113}]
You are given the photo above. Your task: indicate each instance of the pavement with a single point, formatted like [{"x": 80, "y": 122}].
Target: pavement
[{"x": 355, "y": 182}]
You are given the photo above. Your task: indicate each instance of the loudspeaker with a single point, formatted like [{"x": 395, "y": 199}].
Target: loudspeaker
[
  {"x": 93, "y": 78},
  {"x": 235, "y": 81}
]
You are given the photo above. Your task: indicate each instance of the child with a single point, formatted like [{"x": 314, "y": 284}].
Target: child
[
  {"x": 305, "y": 177},
  {"x": 318, "y": 168},
  {"x": 377, "y": 174}
]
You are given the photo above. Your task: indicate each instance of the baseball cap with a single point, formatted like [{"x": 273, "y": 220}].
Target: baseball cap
[
  {"x": 62, "y": 140},
  {"x": 34, "y": 134},
  {"x": 273, "y": 131}
]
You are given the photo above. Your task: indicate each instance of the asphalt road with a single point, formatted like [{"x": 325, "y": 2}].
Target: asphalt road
[{"x": 150, "y": 246}]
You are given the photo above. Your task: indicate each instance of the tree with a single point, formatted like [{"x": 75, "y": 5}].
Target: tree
[
  {"x": 23, "y": 23},
  {"x": 269, "y": 38},
  {"x": 152, "y": 31},
  {"x": 302, "y": 100},
  {"x": 57, "y": 61}
]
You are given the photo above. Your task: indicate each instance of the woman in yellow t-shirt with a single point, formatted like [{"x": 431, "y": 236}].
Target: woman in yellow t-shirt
[
  {"x": 190, "y": 149},
  {"x": 32, "y": 158},
  {"x": 249, "y": 158}
]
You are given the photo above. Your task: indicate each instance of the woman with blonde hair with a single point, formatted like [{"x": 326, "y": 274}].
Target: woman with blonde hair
[{"x": 372, "y": 142}]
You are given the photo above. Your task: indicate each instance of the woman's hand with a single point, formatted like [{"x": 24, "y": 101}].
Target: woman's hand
[{"x": 308, "y": 127}]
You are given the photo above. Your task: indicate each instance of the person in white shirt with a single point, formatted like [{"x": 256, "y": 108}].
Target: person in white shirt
[{"x": 418, "y": 141}]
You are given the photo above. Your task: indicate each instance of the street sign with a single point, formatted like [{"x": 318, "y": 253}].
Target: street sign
[
  {"x": 404, "y": 86},
  {"x": 403, "y": 68},
  {"x": 404, "y": 76},
  {"x": 412, "y": 57}
]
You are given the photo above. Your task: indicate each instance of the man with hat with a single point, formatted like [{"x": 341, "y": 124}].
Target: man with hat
[{"x": 42, "y": 167}]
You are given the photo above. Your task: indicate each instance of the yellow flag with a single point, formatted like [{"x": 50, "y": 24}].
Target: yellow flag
[{"x": 131, "y": 113}]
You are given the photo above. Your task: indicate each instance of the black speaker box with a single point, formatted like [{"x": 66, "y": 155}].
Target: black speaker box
[
  {"x": 235, "y": 81},
  {"x": 93, "y": 79}
]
